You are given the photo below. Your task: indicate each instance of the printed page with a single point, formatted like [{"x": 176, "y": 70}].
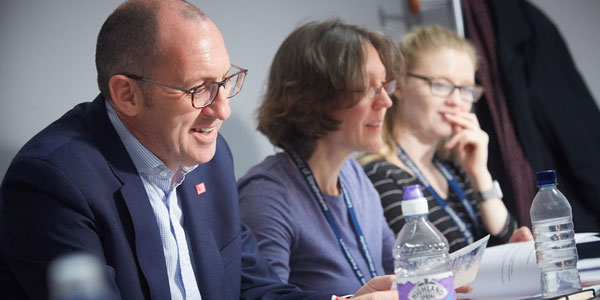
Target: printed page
[
  {"x": 465, "y": 261},
  {"x": 510, "y": 271},
  {"x": 507, "y": 271}
]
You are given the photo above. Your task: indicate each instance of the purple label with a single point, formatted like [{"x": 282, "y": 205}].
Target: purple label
[{"x": 436, "y": 287}]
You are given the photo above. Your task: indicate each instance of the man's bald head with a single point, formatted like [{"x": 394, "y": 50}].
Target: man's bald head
[{"x": 129, "y": 43}]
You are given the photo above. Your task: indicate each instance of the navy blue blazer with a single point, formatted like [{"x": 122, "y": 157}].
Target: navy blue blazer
[{"x": 73, "y": 187}]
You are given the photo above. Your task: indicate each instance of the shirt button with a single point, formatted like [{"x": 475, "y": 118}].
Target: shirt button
[{"x": 163, "y": 173}]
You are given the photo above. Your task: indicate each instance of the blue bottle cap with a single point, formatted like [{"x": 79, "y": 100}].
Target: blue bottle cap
[
  {"x": 412, "y": 192},
  {"x": 546, "y": 177}
]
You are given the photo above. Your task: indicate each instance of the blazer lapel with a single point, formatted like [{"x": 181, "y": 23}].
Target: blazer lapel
[
  {"x": 203, "y": 248},
  {"x": 148, "y": 244},
  {"x": 147, "y": 241}
]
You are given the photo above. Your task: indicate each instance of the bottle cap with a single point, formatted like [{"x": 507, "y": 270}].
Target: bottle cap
[
  {"x": 546, "y": 177},
  {"x": 412, "y": 192},
  {"x": 413, "y": 202}
]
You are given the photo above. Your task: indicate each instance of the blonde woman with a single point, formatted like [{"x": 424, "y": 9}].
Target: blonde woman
[{"x": 432, "y": 138}]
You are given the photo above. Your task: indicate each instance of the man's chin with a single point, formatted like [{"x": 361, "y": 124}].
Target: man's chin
[{"x": 201, "y": 156}]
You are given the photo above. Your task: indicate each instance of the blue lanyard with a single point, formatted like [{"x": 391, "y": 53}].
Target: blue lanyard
[
  {"x": 310, "y": 179},
  {"x": 454, "y": 185}
]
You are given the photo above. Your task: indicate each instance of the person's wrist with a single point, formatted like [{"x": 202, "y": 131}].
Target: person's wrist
[
  {"x": 482, "y": 181},
  {"x": 493, "y": 192}
]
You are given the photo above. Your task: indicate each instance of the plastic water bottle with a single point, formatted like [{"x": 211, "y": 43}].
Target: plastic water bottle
[
  {"x": 421, "y": 262},
  {"x": 76, "y": 276},
  {"x": 552, "y": 224}
]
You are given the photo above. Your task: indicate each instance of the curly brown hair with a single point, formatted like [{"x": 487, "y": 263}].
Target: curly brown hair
[{"x": 316, "y": 71}]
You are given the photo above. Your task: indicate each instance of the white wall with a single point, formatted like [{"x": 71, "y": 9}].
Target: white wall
[
  {"x": 47, "y": 59},
  {"x": 47, "y": 55}
]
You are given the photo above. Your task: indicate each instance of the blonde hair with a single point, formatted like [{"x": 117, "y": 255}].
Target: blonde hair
[
  {"x": 424, "y": 38},
  {"x": 415, "y": 43}
]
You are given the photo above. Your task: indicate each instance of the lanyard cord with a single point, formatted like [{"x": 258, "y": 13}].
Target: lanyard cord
[
  {"x": 311, "y": 181},
  {"x": 454, "y": 185}
]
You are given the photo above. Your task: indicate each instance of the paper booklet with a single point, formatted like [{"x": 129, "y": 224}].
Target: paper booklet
[
  {"x": 465, "y": 261},
  {"x": 510, "y": 271}
]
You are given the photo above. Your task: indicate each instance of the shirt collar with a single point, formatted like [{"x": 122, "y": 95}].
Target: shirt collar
[{"x": 144, "y": 160}]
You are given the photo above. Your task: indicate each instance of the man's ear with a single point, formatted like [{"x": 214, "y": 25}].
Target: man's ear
[{"x": 127, "y": 97}]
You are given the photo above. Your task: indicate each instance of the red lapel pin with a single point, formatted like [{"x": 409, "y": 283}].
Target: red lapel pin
[{"x": 200, "y": 188}]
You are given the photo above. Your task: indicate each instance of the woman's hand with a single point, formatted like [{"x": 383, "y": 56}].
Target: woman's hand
[
  {"x": 379, "y": 287},
  {"x": 521, "y": 235},
  {"x": 471, "y": 145},
  {"x": 470, "y": 142},
  {"x": 465, "y": 289}
]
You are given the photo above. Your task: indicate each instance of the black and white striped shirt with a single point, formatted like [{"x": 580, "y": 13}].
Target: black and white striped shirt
[{"x": 389, "y": 179}]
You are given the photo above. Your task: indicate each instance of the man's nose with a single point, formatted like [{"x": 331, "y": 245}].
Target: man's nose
[{"x": 220, "y": 107}]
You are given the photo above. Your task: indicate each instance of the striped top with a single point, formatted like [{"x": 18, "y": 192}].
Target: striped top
[{"x": 389, "y": 179}]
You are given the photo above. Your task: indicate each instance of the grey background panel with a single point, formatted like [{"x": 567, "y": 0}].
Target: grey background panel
[{"x": 47, "y": 54}]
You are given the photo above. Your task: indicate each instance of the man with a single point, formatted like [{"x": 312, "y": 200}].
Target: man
[{"x": 140, "y": 177}]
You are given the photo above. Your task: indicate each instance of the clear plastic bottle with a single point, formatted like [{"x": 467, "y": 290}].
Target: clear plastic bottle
[
  {"x": 552, "y": 225},
  {"x": 420, "y": 253}
]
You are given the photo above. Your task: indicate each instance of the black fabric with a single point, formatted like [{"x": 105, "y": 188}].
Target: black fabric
[
  {"x": 9, "y": 285},
  {"x": 507, "y": 161},
  {"x": 555, "y": 117},
  {"x": 588, "y": 250},
  {"x": 389, "y": 180}
]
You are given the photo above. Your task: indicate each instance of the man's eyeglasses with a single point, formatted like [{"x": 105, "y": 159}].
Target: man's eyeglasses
[
  {"x": 443, "y": 88},
  {"x": 204, "y": 94}
]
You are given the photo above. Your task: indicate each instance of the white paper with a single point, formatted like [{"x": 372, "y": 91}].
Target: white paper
[
  {"x": 510, "y": 271},
  {"x": 590, "y": 277},
  {"x": 586, "y": 237},
  {"x": 465, "y": 261}
]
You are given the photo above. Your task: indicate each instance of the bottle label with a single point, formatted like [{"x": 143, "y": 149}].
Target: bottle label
[{"x": 432, "y": 287}]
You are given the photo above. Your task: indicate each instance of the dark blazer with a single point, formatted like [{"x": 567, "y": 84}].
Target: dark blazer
[{"x": 73, "y": 187}]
